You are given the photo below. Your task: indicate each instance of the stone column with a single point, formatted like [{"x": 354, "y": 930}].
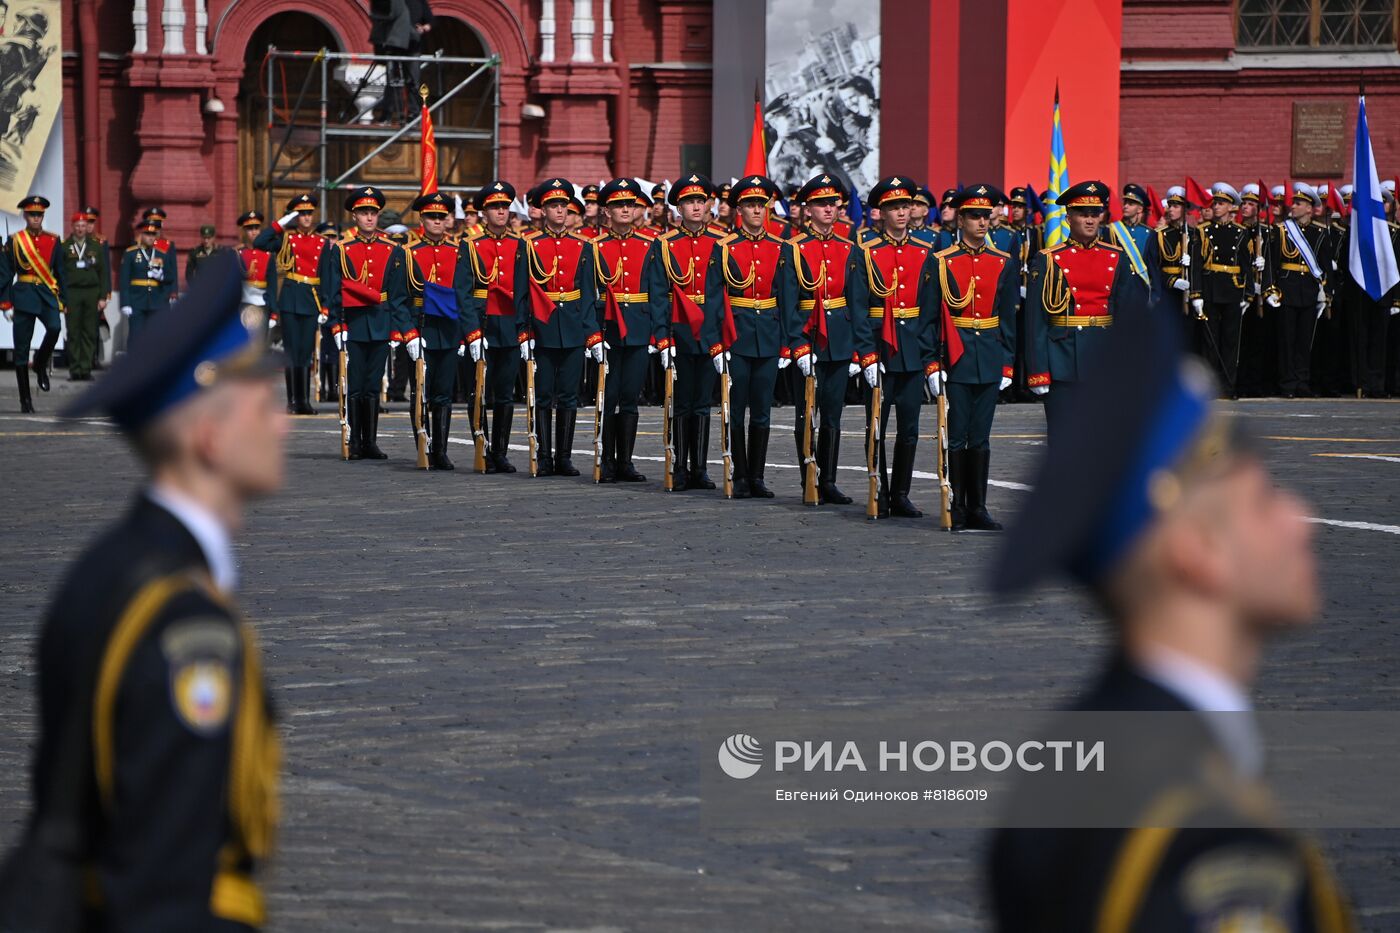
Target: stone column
[
  {"x": 170, "y": 136},
  {"x": 583, "y": 30},
  {"x": 546, "y": 31}
]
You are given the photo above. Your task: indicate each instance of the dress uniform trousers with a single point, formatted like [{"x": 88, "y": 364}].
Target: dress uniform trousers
[
  {"x": 82, "y": 329},
  {"x": 971, "y": 407},
  {"x": 754, "y": 379},
  {"x": 24, "y": 330},
  {"x": 502, "y": 367},
  {"x": 1366, "y": 327},
  {"x": 367, "y": 361},
  {"x": 627, "y": 371},
  {"x": 904, "y": 392},
  {"x": 1220, "y": 333},
  {"x": 1058, "y": 401},
  {"x": 695, "y": 384},
  {"x": 1295, "y": 334},
  {"x": 558, "y": 374},
  {"x": 298, "y": 338}
]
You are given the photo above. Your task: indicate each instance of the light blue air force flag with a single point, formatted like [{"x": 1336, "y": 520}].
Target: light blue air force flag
[{"x": 1372, "y": 259}]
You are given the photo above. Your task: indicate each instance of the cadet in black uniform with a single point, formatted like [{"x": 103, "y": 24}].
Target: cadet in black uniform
[
  {"x": 1155, "y": 505},
  {"x": 1227, "y": 265},
  {"x": 1296, "y": 287},
  {"x": 148, "y": 674}
]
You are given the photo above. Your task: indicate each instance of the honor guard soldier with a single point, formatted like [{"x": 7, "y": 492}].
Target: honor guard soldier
[
  {"x": 259, "y": 267},
  {"x": 691, "y": 254},
  {"x": 148, "y": 280},
  {"x": 1227, "y": 265},
  {"x": 1158, "y": 506},
  {"x": 918, "y": 217},
  {"x": 760, "y": 296},
  {"x": 1173, "y": 251},
  {"x": 1296, "y": 287},
  {"x": 1258, "y": 339},
  {"x": 563, "y": 317},
  {"x": 371, "y": 313},
  {"x": 208, "y": 246},
  {"x": 437, "y": 262},
  {"x": 904, "y": 333},
  {"x": 498, "y": 294},
  {"x": 724, "y": 208},
  {"x": 157, "y": 762},
  {"x": 979, "y": 285},
  {"x": 634, "y": 305},
  {"x": 306, "y": 265},
  {"x": 31, "y": 289},
  {"x": 87, "y": 282},
  {"x": 1134, "y": 238},
  {"x": 833, "y": 294},
  {"x": 1075, "y": 290}
]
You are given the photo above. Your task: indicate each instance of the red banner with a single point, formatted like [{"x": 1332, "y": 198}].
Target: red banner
[{"x": 427, "y": 159}]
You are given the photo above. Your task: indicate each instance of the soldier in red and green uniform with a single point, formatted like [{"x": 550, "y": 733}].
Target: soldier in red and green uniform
[
  {"x": 31, "y": 289},
  {"x": 370, "y": 307},
  {"x": 259, "y": 266},
  {"x": 305, "y": 266}
]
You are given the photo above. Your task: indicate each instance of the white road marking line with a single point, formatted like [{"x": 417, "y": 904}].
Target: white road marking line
[
  {"x": 1360, "y": 457},
  {"x": 1364, "y": 526}
]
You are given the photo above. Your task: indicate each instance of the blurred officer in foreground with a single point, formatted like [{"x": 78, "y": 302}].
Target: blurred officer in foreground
[
  {"x": 1152, "y": 499},
  {"x": 149, "y": 677}
]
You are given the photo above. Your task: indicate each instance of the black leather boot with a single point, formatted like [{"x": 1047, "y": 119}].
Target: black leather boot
[
  {"x": 758, "y": 459},
  {"x": 957, "y": 479},
  {"x": 544, "y": 441},
  {"x": 42, "y": 358},
  {"x": 901, "y": 478},
  {"x": 738, "y": 456},
  {"x": 369, "y": 432},
  {"x": 291, "y": 393},
  {"x": 608, "y": 472},
  {"x": 699, "y": 455},
  {"x": 302, "y": 382},
  {"x": 564, "y": 453},
  {"x": 501, "y": 417},
  {"x": 680, "y": 443},
  {"x": 441, "y": 418},
  {"x": 882, "y": 496},
  {"x": 978, "y": 519},
  {"x": 26, "y": 401},
  {"x": 828, "y": 453},
  {"x": 626, "y": 441},
  {"x": 354, "y": 413}
]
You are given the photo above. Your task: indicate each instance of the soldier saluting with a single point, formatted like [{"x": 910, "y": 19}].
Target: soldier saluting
[{"x": 304, "y": 290}]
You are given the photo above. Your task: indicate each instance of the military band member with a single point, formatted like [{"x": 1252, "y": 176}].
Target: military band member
[
  {"x": 307, "y": 273},
  {"x": 157, "y": 747},
  {"x": 437, "y": 260},
  {"x": 1075, "y": 290},
  {"x": 980, "y": 286},
  {"x": 904, "y": 334},
  {"x": 148, "y": 280},
  {"x": 563, "y": 317},
  {"x": 31, "y": 289},
  {"x": 86, "y": 283},
  {"x": 1134, "y": 238},
  {"x": 760, "y": 295},
  {"x": 833, "y": 295},
  {"x": 1296, "y": 287},
  {"x": 1258, "y": 331},
  {"x": 1227, "y": 266},
  {"x": 498, "y": 289},
  {"x": 1173, "y": 250},
  {"x": 691, "y": 260},
  {"x": 371, "y": 314}
]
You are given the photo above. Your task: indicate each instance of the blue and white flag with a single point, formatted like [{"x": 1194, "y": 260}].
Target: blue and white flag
[
  {"x": 1056, "y": 219},
  {"x": 1372, "y": 259}
]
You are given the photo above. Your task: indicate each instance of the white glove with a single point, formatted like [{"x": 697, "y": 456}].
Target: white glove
[
  {"x": 415, "y": 348},
  {"x": 1321, "y": 306},
  {"x": 271, "y": 322},
  {"x": 1259, "y": 263},
  {"x": 596, "y": 352},
  {"x": 394, "y": 345},
  {"x": 461, "y": 349},
  {"x": 872, "y": 374},
  {"x": 668, "y": 356},
  {"x": 527, "y": 347},
  {"x": 1185, "y": 260},
  {"x": 1394, "y": 311},
  {"x": 342, "y": 340},
  {"x": 10, "y": 315},
  {"x": 1040, "y": 390},
  {"x": 804, "y": 363},
  {"x": 287, "y": 219},
  {"x": 853, "y": 370},
  {"x": 1181, "y": 285},
  {"x": 1023, "y": 291},
  {"x": 1005, "y": 383},
  {"x": 784, "y": 362},
  {"x": 478, "y": 347},
  {"x": 1274, "y": 301},
  {"x": 322, "y": 318},
  {"x": 1198, "y": 305},
  {"x": 126, "y": 311},
  {"x": 718, "y": 359},
  {"x": 935, "y": 383}
]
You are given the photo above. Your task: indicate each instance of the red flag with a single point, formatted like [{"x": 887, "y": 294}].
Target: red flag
[
  {"x": 541, "y": 305},
  {"x": 1197, "y": 195},
  {"x": 1154, "y": 210},
  {"x": 756, "y": 162},
  {"x": 685, "y": 311},
  {"x": 357, "y": 294},
  {"x": 427, "y": 157},
  {"x": 612, "y": 312},
  {"x": 1334, "y": 199},
  {"x": 816, "y": 323},
  {"x": 728, "y": 332},
  {"x": 951, "y": 338},
  {"x": 887, "y": 330}
]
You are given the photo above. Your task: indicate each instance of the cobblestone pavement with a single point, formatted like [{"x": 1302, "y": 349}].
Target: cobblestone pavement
[{"x": 490, "y": 684}]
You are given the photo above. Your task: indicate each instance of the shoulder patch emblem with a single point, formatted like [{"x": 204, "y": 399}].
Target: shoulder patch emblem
[{"x": 202, "y": 694}]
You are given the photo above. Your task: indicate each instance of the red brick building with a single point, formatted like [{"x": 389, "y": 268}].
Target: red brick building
[{"x": 168, "y": 100}]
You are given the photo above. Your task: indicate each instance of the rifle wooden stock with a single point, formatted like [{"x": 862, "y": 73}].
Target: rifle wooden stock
[
  {"x": 342, "y": 383},
  {"x": 668, "y": 427},
  {"x": 478, "y": 411},
  {"x": 872, "y": 461},
  {"x": 316, "y": 365},
  {"x": 724, "y": 430},
  {"x": 945, "y": 488},
  {"x": 420, "y": 429},
  {"x": 809, "y": 463},
  {"x": 530, "y": 415},
  {"x": 598, "y": 420}
]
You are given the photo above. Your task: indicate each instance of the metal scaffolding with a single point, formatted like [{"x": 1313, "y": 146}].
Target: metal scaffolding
[{"x": 341, "y": 134}]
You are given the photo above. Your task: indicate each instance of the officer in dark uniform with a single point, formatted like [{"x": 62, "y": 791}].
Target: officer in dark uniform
[
  {"x": 760, "y": 297},
  {"x": 1029, "y": 239},
  {"x": 832, "y": 317},
  {"x": 86, "y": 281},
  {"x": 904, "y": 332},
  {"x": 1152, "y": 494},
  {"x": 1134, "y": 238},
  {"x": 497, "y": 289},
  {"x": 1075, "y": 291},
  {"x": 980, "y": 287},
  {"x": 371, "y": 311},
  {"x": 149, "y": 279},
  {"x": 306, "y": 269},
  {"x": 208, "y": 246},
  {"x": 1257, "y": 330},
  {"x": 437, "y": 259},
  {"x": 157, "y": 216},
  {"x": 330, "y": 382},
  {"x": 1296, "y": 287},
  {"x": 156, "y": 732},
  {"x": 1173, "y": 250},
  {"x": 563, "y": 318},
  {"x": 691, "y": 259},
  {"x": 101, "y": 329},
  {"x": 1227, "y": 264},
  {"x": 31, "y": 289},
  {"x": 633, "y": 307}
]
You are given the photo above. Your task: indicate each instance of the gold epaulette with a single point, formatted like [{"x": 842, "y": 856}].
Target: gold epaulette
[
  {"x": 996, "y": 250},
  {"x": 728, "y": 238},
  {"x": 133, "y": 246},
  {"x": 948, "y": 250}
]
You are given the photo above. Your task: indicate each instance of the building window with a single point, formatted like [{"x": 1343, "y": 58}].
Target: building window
[{"x": 1301, "y": 24}]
